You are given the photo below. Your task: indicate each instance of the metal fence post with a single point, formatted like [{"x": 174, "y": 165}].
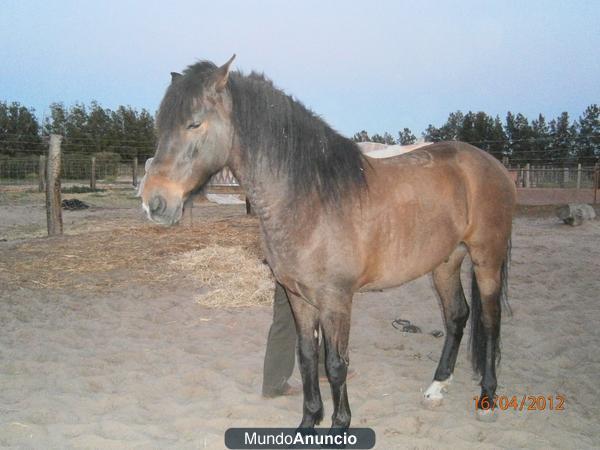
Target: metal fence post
[{"x": 53, "y": 202}]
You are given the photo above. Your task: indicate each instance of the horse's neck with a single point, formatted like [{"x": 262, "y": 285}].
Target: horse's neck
[
  {"x": 278, "y": 217},
  {"x": 266, "y": 192}
]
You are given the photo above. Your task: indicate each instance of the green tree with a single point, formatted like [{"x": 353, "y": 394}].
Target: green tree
[
  {"x": 94, "y": 129},
  {"x": 378, "y": 138},
  {"x": 19, "y": 129},
  {"x": 406, "y": 137},
  {"x": 361, "y": 136},
  {"x": 563, "y": 139},
  {"x": 56, "y": 122},
  {"x": 540, "y": 147},
  {"x": 76, "y": 138},
  {"x": 484, "y": 132},
  {"x": 133, "y": 131},
  {"x": 98, "y": 127},
  {"x": 448, "y": 132},
  {"x": 432, "y": 134},
  {"x": 388, "y": 139},
  {"x": 519, "y": 136},
  {"x": 498, "y": 146},
  {"x": 588, "y": 136}
]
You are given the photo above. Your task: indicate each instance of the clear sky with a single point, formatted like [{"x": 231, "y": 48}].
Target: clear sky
[{"x": 374, "y": 65}]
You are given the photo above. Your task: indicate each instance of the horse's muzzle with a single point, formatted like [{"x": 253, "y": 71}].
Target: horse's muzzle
[
  {"x": 160, "y": 212},
  {"x": 157, "y": 205}
]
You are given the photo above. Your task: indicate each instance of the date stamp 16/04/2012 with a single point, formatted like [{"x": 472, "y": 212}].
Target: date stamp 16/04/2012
[{"x": 523, "y": 402}]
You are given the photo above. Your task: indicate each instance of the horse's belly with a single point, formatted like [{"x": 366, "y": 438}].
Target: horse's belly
[
  {"x": 397, "y": 275},
  {"x": 410, "y": 251}
]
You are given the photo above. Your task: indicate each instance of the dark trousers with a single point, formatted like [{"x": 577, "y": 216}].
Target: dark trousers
[{"x": 280, "y": 355}]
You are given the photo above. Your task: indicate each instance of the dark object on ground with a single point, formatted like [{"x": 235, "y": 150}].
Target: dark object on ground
[
  {"x": 405, "y": 326},
  {"x": 73, "y": 204},
  {"x": 437, "y": 333},
  {"x": 575, "y": 213}
]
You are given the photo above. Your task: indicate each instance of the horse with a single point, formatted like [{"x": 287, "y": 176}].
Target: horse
[{"x": 334, "y": 221}]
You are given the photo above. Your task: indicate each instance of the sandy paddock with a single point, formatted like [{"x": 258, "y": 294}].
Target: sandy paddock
[{"x": 124, "y": 357}]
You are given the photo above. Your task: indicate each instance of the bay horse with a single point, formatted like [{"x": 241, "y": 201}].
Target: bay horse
[{"x": 334, "y": 221}]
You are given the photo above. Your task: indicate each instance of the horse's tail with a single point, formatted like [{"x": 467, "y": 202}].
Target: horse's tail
[{"x": 478, "y": 338}]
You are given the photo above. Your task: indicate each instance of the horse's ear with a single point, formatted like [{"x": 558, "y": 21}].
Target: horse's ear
[
  {"x": 222, "y": 75},
  {"x": 174, "y": 76}
]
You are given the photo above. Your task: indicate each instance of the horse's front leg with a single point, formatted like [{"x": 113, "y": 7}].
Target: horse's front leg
[
  {"x": 307, "y": 327},
  {"x": 335, "y": 322}
]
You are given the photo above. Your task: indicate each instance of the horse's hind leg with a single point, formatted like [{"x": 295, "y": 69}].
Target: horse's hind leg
[
  {"x": 488, "y": 263},
  {"x": 446, "y": 279},
  {"x": 306, "y": 317},
  {"x": 335, "y": 322},
  {"x": 485, "y": 333}
]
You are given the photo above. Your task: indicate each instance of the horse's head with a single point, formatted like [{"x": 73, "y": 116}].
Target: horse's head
[{"x": 195, "y": 137}]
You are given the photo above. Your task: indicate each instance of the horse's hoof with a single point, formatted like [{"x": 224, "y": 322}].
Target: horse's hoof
[
  {"x": 433, "y": 396},
  {"x": 486, "y": 415}
]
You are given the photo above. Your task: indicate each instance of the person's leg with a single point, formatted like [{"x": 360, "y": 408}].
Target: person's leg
[{"x": 280, "y": 355}]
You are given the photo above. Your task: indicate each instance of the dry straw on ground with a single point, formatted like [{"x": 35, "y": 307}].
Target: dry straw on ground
[
  {"x": 233, "y": 276},
  {"x": 103, "y": 260}
]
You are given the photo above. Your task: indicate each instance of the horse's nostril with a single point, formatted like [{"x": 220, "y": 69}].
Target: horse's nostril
[{"x": 157, "y": 205}]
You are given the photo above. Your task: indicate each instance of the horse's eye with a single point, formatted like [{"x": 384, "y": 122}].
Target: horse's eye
[{"x": 193, "y": 125}]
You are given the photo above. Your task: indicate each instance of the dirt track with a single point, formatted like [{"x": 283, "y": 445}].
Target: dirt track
[{"x": 125, "y": 357}]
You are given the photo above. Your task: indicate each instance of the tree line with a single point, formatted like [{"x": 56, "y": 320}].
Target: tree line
[
  {"x": 86, "y": 129},
  {"x": 128, "y": 132},
  {"x": 558, "y": 141}
]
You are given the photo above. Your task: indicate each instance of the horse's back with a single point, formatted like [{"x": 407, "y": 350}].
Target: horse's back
[
  {"x": 421, "y": 205},
  {"x": 476, "y": 167}
]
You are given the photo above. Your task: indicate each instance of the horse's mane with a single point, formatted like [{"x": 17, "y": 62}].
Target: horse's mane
[
  {"x": 279, "y": 133},
  {"x": 178, "y": 102}
]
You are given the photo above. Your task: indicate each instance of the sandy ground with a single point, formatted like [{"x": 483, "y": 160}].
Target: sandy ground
[
  {"x": 137, "y": 363},
  {"x": 551, "y": 196}
]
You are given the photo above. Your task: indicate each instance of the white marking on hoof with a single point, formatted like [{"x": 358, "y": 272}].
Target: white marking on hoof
[
  {"x": 434, "y": 396},
  {"x": 486, "y": 415}
]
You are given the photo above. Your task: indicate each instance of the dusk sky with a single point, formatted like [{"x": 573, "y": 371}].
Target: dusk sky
[{"x": 379, "y": 66}]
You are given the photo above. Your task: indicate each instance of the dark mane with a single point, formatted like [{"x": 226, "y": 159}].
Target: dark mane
[
  {"x": 276, "y": 129},
  {"x": 276, "y": 132}
]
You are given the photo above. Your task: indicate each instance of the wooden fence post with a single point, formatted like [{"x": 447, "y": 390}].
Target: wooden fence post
[
  {"x": 578, "y": 176},
  {"x": 93, "y": 174},
  {"x": 42, "y": 173},
  {"x": 135, "y": 171},
  {"x": 527, "y": 177},
  {"x": 596, "y": 181},
  {"x": 53, "y": 203}
]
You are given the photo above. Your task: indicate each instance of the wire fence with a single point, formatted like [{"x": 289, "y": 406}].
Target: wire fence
[
  {"x": 78, "y": 170},
  {"x": 548, "y": 176},
  {"x": 27, "y": 171},
  {"x": 110, "y": 168}
]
